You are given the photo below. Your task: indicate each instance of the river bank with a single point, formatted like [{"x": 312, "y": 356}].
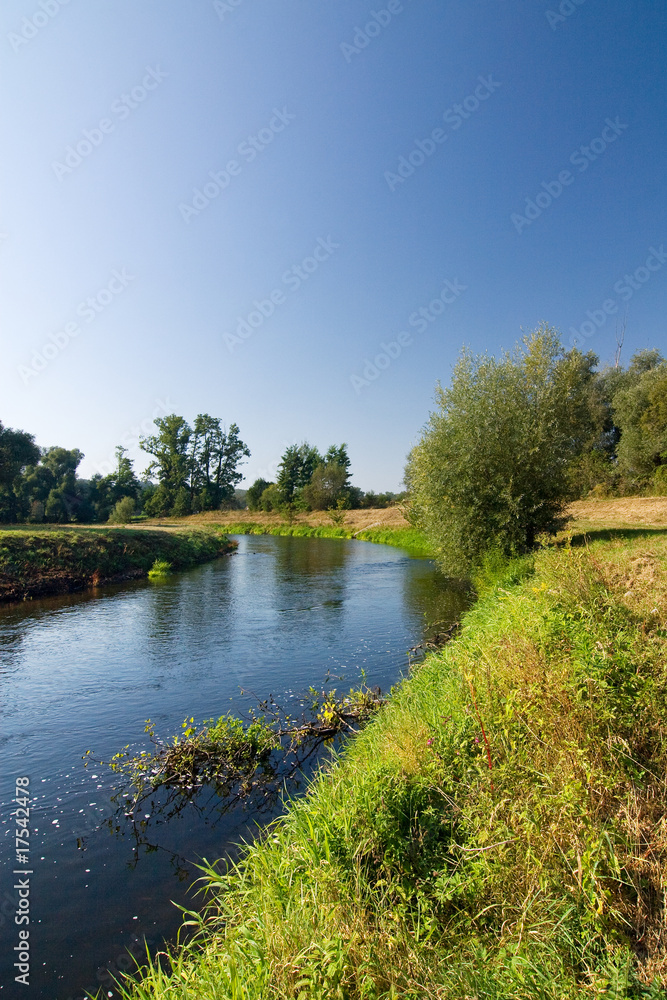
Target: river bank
[
  {"x": 35, "y": 562},
  {"x": 498, "y": 830}
]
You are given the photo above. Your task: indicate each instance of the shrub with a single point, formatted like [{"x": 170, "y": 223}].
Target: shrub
[{"x": 122, "y": 512}]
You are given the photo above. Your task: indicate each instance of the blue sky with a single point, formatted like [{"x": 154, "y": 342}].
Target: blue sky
[{"x": 293, "y": 215}]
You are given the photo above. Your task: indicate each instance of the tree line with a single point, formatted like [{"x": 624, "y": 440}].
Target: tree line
[
  {"x": 193, "y": 468},
  {"x": 308, "y": 480},
  {"x": 513, "y": 439}
]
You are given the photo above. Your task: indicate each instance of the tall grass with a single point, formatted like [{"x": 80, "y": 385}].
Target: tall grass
[{"x": 498, "y": 831}]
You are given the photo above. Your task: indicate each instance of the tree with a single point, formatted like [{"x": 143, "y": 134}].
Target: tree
[
  {"x": 296, "y": 469},
  {"x": 327, "y": 486},
  {"x": 122, "y": 511},
  {"x": 490, "y": 470},
  {"x": 271, "y": 499},
  {"x": 639, "y": 408},
  {"x": 105, "y": 493},
  {"x": 254, "y": 493},
  {"x": 17, "y": 450},
  {"x": 169, "y": 448},
  {"x": 196, "y": 467}
]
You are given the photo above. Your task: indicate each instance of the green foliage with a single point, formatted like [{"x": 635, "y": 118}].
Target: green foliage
[
  {"x": 327, "y": 486},
  {"x": 296, "y": 469},
  {"x": 254, "y": 493},
  {"x": 337, "y": 513},
  {"x": 123, "y": 511},
  {"x": 196, "y": 467},
  {"x": 35, "y": 561},
  {"x": 491, "y": 467},
  {"x": 271, "y": 498},
  {"x": 640, "y": 412},
  {"x": 160, "y": 569}
]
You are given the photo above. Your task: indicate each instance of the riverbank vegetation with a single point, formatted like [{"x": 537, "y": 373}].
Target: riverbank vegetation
[
  {"x": 514, "y": 439},
  {"x": 411, "y": 540},
  {"x": 35, "y": 562},
  {"x": 497, "y": 831},
  {"x": 617, "y": 417}
]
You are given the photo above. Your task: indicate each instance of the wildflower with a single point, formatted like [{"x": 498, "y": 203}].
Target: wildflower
[{"x": 429, "y": 742}]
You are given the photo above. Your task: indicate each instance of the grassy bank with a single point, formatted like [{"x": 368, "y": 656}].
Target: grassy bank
[
  {"x": 412, "y": 541},
  {"x": 498, "y": 831},
  {"x": 35, "y": 562}
]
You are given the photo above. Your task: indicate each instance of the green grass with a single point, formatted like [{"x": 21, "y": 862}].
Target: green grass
[
  {"x": 498, "y": 831},
  {"x": 412, "y": 541},
  {"x": 40, "y": 561}
]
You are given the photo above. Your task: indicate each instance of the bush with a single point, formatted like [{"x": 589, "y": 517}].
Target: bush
[
  {"x": 491, "y": 469},
  {"x": 122, "y": 512}
]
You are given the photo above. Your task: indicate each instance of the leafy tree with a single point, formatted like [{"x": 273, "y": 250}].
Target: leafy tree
[
  {"x": 182, "y": 504},
  {"x": 296, "y": 469},
  {"x": 490, "y": 470},
  {"x": 170, "y": 465},
  {"x": 254, "y": 493},
  {"x": 106, "y": 492},
  {"x": 17, "y": 450},
  {"x": 196, "y": 467},
  {"x": 378, "y": 500},
  {"x": 53, "y": 483},
  {"x": 122, "y": 511},
  {"x": 272, "y": 499},
  {"x": 327, "y": 486},
  {"x": 639, "y": 408}
]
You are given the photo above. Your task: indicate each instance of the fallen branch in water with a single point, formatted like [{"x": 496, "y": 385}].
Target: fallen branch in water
[{"x": 233, "y": 758}]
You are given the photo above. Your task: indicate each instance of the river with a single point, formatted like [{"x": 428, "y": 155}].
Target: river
[{"x": 85, "y": 671}]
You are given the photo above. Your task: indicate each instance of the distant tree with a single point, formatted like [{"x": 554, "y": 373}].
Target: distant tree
[
  {"x": 490, "y": 470},
  {"x": 272, "y": 499},
  {"x": 182, "y": 505},
  {"x": 327, "y": 485},
  {"x": 639, "y": 408},
  {"x": 254, "y": 493},
  {"x": 53, "y": 483},
  {"x": 17, "y": 451},
  {"x": 377, "y": 500},
  {"x": 296, "y": 469},
  {"x": 122, "y": 511},
  {"x": 122, "y": 482},
  {"x": 170, "y": 465}
]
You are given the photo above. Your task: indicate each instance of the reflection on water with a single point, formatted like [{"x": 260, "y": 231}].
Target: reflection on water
[{"x": 85, "y": 671}]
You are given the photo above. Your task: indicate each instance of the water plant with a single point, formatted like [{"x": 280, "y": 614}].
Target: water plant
[{"x": 160, "y": 569}]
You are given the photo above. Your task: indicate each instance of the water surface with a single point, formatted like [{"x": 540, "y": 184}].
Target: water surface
[{"x": 85, "y": 671}]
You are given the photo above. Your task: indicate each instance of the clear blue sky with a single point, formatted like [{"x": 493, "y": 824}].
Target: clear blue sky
[{"x": 350, "y": 187}]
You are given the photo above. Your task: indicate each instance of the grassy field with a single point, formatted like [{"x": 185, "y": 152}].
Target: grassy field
[
  {"x": 498, "y": 831},
  {"x": 51, "y": 560}
]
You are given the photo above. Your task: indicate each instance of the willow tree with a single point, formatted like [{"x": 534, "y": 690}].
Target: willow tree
[{"x": 490, "y": 470}]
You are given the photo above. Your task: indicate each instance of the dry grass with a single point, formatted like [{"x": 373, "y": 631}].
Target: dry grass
[{"x": 356, "y": 520}]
